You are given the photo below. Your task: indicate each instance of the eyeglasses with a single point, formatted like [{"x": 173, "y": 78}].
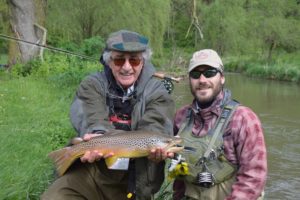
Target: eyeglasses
[
  {"x": 207, "y": 73},
  {"x": 134, "y": 62}
]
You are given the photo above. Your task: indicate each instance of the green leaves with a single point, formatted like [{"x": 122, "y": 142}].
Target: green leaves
[{"x": 82, "y": 19}]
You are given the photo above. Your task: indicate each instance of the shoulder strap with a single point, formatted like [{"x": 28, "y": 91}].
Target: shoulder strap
[
  {"x": 187, "y": 124},
  {"x": 221, "y": 124}
]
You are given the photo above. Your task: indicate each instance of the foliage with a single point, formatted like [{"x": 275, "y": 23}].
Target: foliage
[
  {"x": 60, "y": 70},
  {"x": 93, "y": 46},
  {"x": 285, "y": 68},
  {"x": 99, "y": 18},
  {"x": 261, "y": 29},
  {"x": 235, "y": 27}
]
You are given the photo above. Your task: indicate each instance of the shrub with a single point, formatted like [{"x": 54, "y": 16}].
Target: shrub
[{"x": 93, "y": 46}]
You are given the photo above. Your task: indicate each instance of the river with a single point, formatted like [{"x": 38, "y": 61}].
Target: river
[{"x": 278, "y": 106}]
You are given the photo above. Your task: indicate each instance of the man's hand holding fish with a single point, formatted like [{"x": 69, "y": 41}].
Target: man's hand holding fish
[
  {"x": 95, "y": 155},
  {"x": 156, "y": 155}
]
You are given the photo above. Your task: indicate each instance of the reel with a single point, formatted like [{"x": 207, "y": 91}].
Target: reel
[{"x": 205, "y": 179}]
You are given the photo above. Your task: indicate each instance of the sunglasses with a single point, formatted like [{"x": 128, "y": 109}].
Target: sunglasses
[
  {"x": 134, "y": 62},
  {"x": 207, "y": 73}
]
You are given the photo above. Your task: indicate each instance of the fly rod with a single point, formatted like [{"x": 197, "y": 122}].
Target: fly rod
[{"x": 156, "y": 74}]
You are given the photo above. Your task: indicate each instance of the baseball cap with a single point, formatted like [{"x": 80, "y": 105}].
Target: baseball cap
[
  {"x": 128, "y": 41},
  {"x": 206, "y": 57}
]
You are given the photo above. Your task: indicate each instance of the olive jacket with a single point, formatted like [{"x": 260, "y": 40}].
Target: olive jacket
[{"x": 153, "y": 110}]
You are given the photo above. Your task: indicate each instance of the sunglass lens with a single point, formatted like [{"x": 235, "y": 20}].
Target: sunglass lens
[
  {"x": 195, "y": 74},
  {"x": 134, "y": 61},
  {"x": 207, "y": 73},
  {"x": 119, "y": 61},
  {"x": 210, "y": 73}
]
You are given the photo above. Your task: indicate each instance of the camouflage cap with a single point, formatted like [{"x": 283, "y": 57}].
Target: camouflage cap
[{"x": 128, "y": 41}]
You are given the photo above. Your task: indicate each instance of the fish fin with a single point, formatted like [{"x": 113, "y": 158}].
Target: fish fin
[
  {"x": 110, "y": 161},
  {"x": 62, "y": 159}
]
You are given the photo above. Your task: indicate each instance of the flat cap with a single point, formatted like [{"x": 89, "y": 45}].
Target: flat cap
[{"x": 127, "y": 41}]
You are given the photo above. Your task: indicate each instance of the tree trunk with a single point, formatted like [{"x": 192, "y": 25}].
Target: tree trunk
[
  {"x": 271, "y": 48},
  {"x": 22, "y": 21}
]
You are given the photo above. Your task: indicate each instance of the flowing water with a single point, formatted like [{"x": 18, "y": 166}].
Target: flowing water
[{"x": 278, "y": 106}]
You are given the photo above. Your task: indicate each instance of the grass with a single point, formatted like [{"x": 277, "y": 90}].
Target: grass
[
  {"x": 3, "y": 59},
  {"x": 285, "y": 67},
  {"x": 33, "y": 121}
]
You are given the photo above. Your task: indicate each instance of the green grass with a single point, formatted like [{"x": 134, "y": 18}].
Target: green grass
[
  {"x": 3, "y": 59},
  {"x": 285, "y": 67},
  {"x": 33, "y": 121}
]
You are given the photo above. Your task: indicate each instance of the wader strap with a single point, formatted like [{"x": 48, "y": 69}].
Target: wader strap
[
  {"x": 221, "y": 124},
  {"x": 187, "y": 124}
]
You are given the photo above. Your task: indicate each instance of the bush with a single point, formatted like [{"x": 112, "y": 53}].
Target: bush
[
  {"x": 59, "y": 69},
  {"x": 93, "y": 46}
]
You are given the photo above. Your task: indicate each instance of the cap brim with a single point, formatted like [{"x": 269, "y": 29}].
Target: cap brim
[{"x": 211, "y": 64}]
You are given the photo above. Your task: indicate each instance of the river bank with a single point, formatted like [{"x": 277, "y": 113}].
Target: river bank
[{"x": 282, "y": 66}]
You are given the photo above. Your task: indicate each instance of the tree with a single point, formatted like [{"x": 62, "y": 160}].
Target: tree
[
  {"x": 277, "y": 25},
  {"x": 87, "y": 18},
  {"x": 3, "y": 25},
  {"x": 24, "y": 19}
]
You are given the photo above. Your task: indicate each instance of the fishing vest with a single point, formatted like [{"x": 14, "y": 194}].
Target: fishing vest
[{"x": 206, "y": 162}]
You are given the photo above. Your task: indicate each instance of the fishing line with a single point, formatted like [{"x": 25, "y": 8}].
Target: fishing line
[{"x": 6, "y": 37}]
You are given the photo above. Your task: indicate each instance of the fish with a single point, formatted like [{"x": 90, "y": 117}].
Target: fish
[{"x": 123, "y": 144}]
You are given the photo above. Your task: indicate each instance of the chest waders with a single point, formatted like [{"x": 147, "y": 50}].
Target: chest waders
[{"x": 207, "y": 165}]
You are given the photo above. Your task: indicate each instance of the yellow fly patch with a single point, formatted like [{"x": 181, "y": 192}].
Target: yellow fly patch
[{"x": 181, "y": 169}]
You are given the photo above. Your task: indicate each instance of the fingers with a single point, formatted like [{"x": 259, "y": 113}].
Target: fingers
[
  {"x": 92, "y": 156},
  {"x": 89, "y": 136},
  {"x": 158, "y": 155},
  {"x": 170, "y": 155},
  {"x": 108, "y": 155}
]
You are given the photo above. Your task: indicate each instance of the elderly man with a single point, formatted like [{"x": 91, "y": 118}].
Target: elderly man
[
  {"x": 124, "y": 96},
  {"x": 225, "y": 148}
]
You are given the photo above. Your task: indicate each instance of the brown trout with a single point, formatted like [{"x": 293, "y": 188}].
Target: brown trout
[{"x": 124, "y": 144}]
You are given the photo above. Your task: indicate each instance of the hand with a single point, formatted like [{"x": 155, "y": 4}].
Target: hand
[
  {"x": 157, "y": 155},
  {"x": 92, "y": 156}
]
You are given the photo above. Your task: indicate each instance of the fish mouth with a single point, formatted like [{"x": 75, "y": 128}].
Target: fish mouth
[{"x": 174, "y": 146}]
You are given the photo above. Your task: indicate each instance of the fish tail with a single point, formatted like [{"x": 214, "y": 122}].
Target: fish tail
[{"x": 63, "y": 159}]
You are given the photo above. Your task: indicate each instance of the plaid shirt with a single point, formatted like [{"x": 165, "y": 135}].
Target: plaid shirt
[{"x": 243, "y": 142}]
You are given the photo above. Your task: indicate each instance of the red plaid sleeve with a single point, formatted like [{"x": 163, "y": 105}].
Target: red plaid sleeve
[{"x": 245, "y": 146}]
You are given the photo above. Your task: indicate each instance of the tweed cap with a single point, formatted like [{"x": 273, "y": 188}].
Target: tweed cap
[
  {"x": 206, "y": 57},
  {"x": 128, "y": 41}
]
